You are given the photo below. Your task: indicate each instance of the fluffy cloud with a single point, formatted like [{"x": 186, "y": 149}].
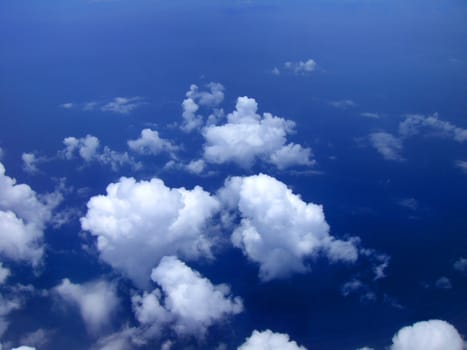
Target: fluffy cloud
[
  {"x": 30, "y": 162},
  {"x": 248, "y": 136},
  {"x": 137, "y": 223},
  {"x": 389, "y": 146},
  {"x": 301, "y": 67},
  {"x": 196, "y": 98},
  {"x": 268, "y": 340},
  {"x": 278, "y": 230},
  {"x": 151, "y": 143},
  {"x": 24, "y": 348},
  {"x": 23, "y": 217},
  {"x": 189, "y": 302},
  {"x": 428, "y": 335},
  {"x": 89, "y": 150},
  {"x": 96, "y": 301}
]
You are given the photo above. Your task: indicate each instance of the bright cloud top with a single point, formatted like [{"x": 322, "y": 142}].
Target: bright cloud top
[
  {"x": 96, "y": 301},
  {"x": 150, "y": 142},
  {"x": 23, "y": 216},
  {"x": 268, "y": 340},
  {"x": 189, "y": 302},
  {"x": 278, "y": 230},
  {"x": 137, "y": 223},
  {"x": 428, "y": 335},
  {"x": 248, "y": 136}
]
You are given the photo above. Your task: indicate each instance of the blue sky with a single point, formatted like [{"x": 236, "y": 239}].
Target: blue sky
[{"x": 233, "y": 174}]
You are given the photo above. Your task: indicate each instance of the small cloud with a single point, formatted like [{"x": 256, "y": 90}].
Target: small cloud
[
  {"x": 301, "y": 67},
  {"x": 443, "y": 283},
  {"x": 343, "y": 104},
  {"x": 370, "y": 115},
  {"x": 122, "y": 105},
  {"x": 276, "y": 71},
  {"x": 67, "y": 105},
  {"x": 460, "y": 265},
  {"x": 462, "y": 165},
  {"x": 387, "y": 145},
  {"x": 410, "y": 203}
]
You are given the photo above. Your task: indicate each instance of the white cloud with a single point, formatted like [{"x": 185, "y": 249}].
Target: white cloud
[
  {"x": 96, "y": 301},
  {"x": 268, "y": 340},
  {"x": 122, "y": 105},
  {"x": 356, "y": 287},
  {"x": 67, "y": 105},
  {"x": 370, "y": 115},
  {"x": 428, "y": 335},
  {"x": 137, "y": 223},
  {"x": 30, "y": 162},
  {"x": 389, "y": 146},
  {"x": 278, "y": 230},
  {"x": 276, "y": 71},
  {"x": 461, "y": 265},
  {"x": 121, "y": 340},
  {"x": 196, "y": 166},
  {"x": 343, "y": 104},
  {"x": 4, "y": 273},
  {"x": 248, "y": 136},
  {"x": 189, "y": 303},
  {"x": 301, "y": 67},
  {"x": 196, "y": 98},
  {"x": 7, "y": 305},
  {"x": 151, "y": 143},
  {"x": 462, "y": 165},
  {"x": 89, "y": 150},
  {"x": 416, "y": 124},
  {"x": 23, "y": 217},
  {"x": 23, "y": 347}
]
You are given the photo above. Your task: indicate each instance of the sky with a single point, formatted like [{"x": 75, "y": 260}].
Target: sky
[{"x": 233, "y": 174}]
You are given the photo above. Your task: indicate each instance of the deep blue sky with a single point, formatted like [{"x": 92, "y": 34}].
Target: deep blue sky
[{"x": 389, "y": 58}]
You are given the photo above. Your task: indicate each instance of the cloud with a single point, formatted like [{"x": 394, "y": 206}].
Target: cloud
[
  {"x": 460, "y": 265},
  {"x": 343, "y": 104},
  {"x": 187, "y": 302},
  {"x": 24, "y": 348},
  {"x": 370, "y": 115},
  {"x": 357, "y": 287},
  {"x": 416, "y": 124},
  {"x": 443, "y": 283},
  {"x": 301, "y": 67},
  {"x": 409, "y": 203},
  {"x": 196, "y": 166},
  {"x": 389, "y": 146},
  {"x": 96, "y": 301},
  {"x": 428, "y": 335},
  {"x": 23, "y": 217},
  {"x": 89, "y": 150},
  {"x": 196, "y": 98},
  {"x": 7, "y": 305},
  {"x": 122, "y": 105},
  {"x": 30, "y": 162},
  {"x": 68, "y": 105},
  {"x": 151, "y": 143},
  {"x": 4, "y": 273},
  {"x": 278, "y": 230},
  {"x": 247, "y": 136},
  {"x": 137, "y": 223},
  {"x": 268, "y": 340},
  {"x": 462, "y": 165}
]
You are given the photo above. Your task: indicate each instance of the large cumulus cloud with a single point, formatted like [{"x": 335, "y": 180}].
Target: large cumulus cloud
[
  {"x": 137, "y": 223},
  {"x": 23, "y": 217},
  {"x": 277, "y": 229},
  {"x": 187, "y": 302},
  {"x": 248, "y": 136},
  {"x": 268, "y": 340}
]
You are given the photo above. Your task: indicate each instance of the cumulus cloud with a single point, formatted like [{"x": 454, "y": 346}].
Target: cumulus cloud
[
  {"x": 196, "y": 166},
  {"x": 389, "y": 146},
  {"x": 97, "y": 302},
  {"x": 150, "y": 142},
  {"x": 89, "y": 150},
  {"x": 278, "y": 230},
  {"x": 268, "y": 340},
  {"x": 196, "y": 98},
  {"x": 428, "y": 335},
  {"x": 137, "y": 223},
  {"x": 122, "y": 105},
  {"x": 177, "y": 304},
  {"x": 248, "y": 136},
  {"x": 30, "y": 162},
  {"x": 301, "y": 67},
  {"x": 23, "y": 217}
]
